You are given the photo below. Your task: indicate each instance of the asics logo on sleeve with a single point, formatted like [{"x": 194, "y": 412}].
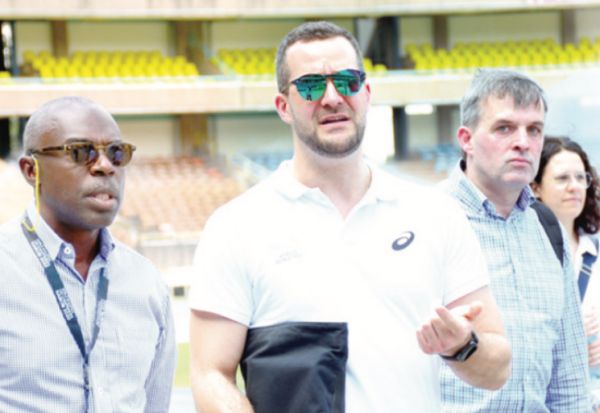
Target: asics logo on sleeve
[{"x": 403, "y": 241}]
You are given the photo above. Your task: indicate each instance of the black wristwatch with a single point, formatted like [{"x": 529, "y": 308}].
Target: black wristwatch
[{"x": 465, "y": 352}]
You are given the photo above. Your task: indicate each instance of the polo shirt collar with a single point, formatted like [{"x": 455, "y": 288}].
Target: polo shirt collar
[
  {"x": 384, "y": 187},
  {"x": 55, "y": 245},
  {"x": 286, "y": 183}
]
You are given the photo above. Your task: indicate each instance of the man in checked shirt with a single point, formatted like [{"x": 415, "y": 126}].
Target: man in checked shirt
[{"x": 501, "y": 136}]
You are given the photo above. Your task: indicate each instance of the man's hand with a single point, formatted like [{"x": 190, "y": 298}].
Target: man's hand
[{"x": 449, "y": 330}]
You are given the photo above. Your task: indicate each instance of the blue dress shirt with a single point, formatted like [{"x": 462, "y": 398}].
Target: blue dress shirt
[
  {"x": 133, "y": 360},
  {"x": 541, "y": 312}
]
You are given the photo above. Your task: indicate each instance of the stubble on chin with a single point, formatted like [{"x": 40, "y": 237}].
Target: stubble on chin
[{"x": 332, "y": 148}]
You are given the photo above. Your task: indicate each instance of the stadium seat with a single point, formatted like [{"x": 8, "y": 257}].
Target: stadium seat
[{"x": 111, "y": 65}]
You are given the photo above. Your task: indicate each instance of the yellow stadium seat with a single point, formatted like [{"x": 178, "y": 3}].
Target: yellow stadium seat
[
  {"x": 28, "y": 56},
  {"x": 99, "y": 71},
  {"x": 190, "y": 69},
  {"x": 46, "y": 72},
  {"x": 72, "y": 72},
  {"x": 60, "y": 72}
]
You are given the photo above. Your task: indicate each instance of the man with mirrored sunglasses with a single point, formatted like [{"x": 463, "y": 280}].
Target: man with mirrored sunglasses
[
  {"x": 87, "y": 324},
  {"x": 335, "y": 286}
]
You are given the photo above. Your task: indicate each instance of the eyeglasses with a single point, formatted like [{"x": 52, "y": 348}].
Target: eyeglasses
[
  {"x": 87, "y": 153},
  {"x": 581, "y": 178},
  {"x": 347, "y": 82}
]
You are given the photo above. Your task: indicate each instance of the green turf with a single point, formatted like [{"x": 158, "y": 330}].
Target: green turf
[{"x": 182, "y": 372}]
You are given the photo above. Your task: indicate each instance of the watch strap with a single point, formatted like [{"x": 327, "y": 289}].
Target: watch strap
[{"x": 466, "y": 351}]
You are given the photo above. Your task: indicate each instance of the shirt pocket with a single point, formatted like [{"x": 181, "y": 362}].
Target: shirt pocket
[{"x": 128, "y": 358}]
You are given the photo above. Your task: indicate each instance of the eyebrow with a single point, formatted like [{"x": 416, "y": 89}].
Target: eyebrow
[
  {"x": 503, "y": 121},
  {"x": 77, "y": 140},
  {"x": 88, "y": 140}
]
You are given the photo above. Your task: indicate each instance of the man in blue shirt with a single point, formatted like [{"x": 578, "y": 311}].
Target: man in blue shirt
[
  {"x": 86, "y": 322},
  {"x": 501, "y": 137}
]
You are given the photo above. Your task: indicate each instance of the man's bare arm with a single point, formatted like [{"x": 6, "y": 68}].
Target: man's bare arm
[{"x": 216, "y": 346}]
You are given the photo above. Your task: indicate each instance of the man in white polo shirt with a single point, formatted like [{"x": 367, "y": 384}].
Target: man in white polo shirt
[{"x": 335, "y": 286}]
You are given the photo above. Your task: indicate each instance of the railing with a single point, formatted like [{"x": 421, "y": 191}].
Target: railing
[{"x": 217, "y": 94}]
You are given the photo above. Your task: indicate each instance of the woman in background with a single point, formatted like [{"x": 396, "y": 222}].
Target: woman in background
[{"x": 569, "y": 186}]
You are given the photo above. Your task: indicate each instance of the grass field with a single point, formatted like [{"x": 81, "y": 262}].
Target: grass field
[{"x": 182, "y": 373}]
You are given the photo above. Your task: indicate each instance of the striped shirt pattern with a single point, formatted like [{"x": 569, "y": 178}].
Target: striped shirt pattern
[{"x": 41, "y": 368}]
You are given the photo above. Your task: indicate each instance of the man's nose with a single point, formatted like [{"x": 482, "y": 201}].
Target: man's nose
[
  {"x": 522, "y": 138},
  {"x": 102, "y": 164},
  {"x": 331, "y": 97}
]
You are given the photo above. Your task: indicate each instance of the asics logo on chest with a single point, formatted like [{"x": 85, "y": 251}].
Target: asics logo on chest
[{"x": 403, "y": 241}]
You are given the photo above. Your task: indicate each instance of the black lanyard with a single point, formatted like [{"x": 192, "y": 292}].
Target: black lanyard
[{"x": 63, "y": 300}]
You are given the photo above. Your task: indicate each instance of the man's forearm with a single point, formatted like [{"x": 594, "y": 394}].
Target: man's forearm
[
  {"x": 214, "y": 393},
  {"x": 490, "y": 366}
]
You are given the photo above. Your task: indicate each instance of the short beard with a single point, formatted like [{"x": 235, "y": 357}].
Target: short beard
[{"x": 333, "y": 149}]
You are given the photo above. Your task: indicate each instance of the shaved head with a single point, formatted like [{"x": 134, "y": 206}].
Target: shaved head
[{"x": 46, "y": 120}]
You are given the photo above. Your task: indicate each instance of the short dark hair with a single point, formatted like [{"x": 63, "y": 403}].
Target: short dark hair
[
  {"x": 589, "y": 219},
  {"x": 306, "y": 32},
  {"x": 498, "y": 83}
]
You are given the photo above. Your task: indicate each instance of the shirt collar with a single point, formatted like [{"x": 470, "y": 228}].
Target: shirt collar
[
  {"x": 379, "y": 189},
  {"x": 384, "y": 187},
  {"x": 56, "y": 245},
  {"x": 467, "y": 193},
  {"x": 286, "y": 183},
  {"x": 586, "y": 244}
]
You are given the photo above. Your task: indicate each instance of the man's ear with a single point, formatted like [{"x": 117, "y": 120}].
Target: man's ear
[
  {"x": 283, "y": 108},
  {"x": 465, "y": 139},
  {"x": 29, "y": 169}
]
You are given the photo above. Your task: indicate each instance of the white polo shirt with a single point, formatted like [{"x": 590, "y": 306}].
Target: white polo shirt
[{"x": 282, "y": 252}]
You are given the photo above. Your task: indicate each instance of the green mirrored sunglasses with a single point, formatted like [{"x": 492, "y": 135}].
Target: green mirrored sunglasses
[{"x": 347, "y": 82}]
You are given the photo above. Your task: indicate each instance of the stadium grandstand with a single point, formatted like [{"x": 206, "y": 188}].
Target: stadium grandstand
[{"x": 192, "y": 86}]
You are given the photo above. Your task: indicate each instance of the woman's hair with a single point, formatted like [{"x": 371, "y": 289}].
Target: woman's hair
[{"x": 589, "y": 219}]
